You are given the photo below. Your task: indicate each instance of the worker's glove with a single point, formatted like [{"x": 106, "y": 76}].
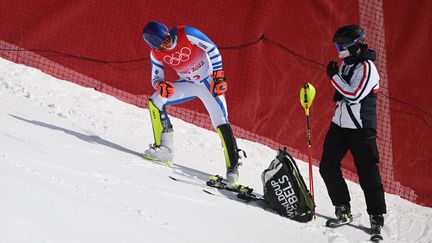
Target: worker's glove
[{"x": 332, "y": 69}]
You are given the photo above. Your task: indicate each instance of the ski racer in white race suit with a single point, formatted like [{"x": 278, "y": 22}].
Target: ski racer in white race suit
[{"x": 198, "y": 63}]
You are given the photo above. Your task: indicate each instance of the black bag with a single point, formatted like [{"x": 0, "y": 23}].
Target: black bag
[{"x": 285, "y": 190}]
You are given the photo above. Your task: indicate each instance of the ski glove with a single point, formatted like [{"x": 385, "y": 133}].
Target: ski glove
[
  {"x": 332, "y": 69},
  {"x": 165, "y": 89},
  {"x": 218, "y": 86}
]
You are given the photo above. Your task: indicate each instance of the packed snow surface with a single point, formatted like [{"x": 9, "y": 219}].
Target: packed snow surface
[{"x": 71, "y": 171}]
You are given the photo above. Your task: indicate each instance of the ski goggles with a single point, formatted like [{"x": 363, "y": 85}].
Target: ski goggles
[
  {"x": 166, "y": 43},
  {"x": 341, "y": 47}
]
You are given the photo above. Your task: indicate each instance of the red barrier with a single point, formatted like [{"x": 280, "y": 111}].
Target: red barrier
[{"x": 269, "y": 48}]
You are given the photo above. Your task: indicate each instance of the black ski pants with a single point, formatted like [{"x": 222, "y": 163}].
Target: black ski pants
[{"x": 362, "y": 145}]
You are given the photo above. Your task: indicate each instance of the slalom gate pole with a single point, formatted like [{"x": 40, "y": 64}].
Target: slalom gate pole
[{"x": 307, "y": 94}]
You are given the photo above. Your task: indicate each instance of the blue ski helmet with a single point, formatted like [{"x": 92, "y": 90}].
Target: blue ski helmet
[{"x": 154, "y": 33}]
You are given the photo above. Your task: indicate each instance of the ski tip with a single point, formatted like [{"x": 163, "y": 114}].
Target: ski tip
[
  {"x": 376, "y": 238},
  {"x": 334, "y": 223},
  {"x": 330, "y": 224}
]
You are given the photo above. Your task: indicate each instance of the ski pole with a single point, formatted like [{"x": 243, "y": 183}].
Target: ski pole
[{"x": 307, "y": 94}]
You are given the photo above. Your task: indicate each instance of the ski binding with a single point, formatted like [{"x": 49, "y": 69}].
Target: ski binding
[{"x": 243, "y": 192}]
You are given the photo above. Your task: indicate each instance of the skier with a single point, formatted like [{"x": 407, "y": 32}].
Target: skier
[
  {"x": 353, "y": 126},
  {"x": 198, "y": 63}
]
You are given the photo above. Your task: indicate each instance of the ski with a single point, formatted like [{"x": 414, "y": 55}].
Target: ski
[
  {"x": 197, "y": 183},
  {"x": 205, "y": 189},
  {"x": 243, "y": 192},
  {"x": 217, "y": 182},
  {"x": 166, "y": 163},
  {"x": 374, "y": 232},
  {"x": 209, "y": 192}
]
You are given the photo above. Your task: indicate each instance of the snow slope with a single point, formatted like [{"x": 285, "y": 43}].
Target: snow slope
[{"x": 70, "y": 171}]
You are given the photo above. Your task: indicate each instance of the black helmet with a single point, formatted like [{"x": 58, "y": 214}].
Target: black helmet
[{"x": 349, "y": 38}]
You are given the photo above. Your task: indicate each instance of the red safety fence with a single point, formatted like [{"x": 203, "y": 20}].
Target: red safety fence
[{"x": 270, "y": 48}]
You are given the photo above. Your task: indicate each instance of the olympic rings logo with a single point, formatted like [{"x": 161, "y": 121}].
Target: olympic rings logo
[{"x": 177, "y": 57}]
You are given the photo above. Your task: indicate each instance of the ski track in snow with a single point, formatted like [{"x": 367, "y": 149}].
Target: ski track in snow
[{"x": 81, "y": 148}]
